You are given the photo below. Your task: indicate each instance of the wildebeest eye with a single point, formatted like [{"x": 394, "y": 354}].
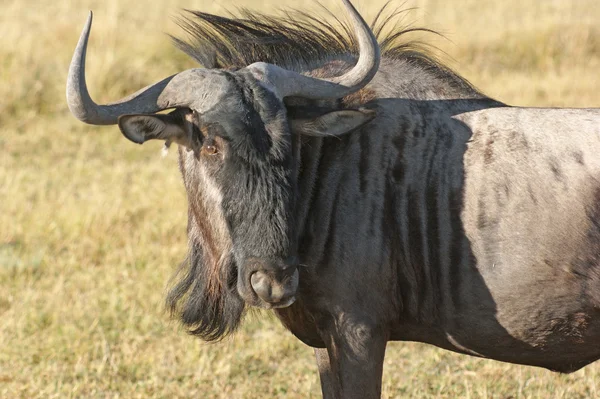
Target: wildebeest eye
[{"x": 210, "y": 149}]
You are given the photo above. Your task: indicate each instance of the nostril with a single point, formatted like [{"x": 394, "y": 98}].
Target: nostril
[
  {"x": 272, "y": 291},
  {"x": 261, "y": 285}
]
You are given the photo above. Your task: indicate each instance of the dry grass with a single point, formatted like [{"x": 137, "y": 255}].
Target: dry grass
[{"x": 91, "y": 226}]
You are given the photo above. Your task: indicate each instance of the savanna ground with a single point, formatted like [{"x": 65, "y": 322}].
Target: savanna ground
[{"x": 92, "y": 226}]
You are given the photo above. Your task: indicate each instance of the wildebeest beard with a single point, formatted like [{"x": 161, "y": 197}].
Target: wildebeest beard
[{"x": 208, "y": 304}]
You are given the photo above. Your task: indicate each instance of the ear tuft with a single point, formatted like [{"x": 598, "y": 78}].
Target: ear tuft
[
  {"x": 334, "y": 123},
  {"x": 141, "y": 128},
  {"x": 169, "y": 127}
]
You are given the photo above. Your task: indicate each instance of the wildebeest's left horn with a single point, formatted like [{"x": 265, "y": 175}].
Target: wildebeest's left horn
[
  {"x": 174, "y": 91},
  {"x": 288, "y": 83}
]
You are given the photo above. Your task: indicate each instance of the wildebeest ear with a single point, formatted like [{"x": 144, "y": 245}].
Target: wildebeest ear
[
  {"x": 334, "y": 123},
  {"x": 141, "y": 128}
]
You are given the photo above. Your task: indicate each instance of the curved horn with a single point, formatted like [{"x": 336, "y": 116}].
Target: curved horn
[
  {"x": 162, "y": 95},
  {"x": 288, "y": 83}
]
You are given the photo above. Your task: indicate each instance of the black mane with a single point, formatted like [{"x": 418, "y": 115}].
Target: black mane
[{"x": 301, "y": 41}]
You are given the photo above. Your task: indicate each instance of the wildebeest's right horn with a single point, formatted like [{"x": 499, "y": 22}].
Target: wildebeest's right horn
[
  {"x": 174, "y": 91},
  {"x": 288, "y": 83}
]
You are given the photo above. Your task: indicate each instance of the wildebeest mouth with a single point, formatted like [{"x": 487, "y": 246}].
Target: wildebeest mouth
[{"x": 266, "y": 284}]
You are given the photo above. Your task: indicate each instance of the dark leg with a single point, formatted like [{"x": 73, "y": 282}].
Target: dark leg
[
  {"x": 326, "y": 374},
  {"x": 352, "y": 364}
]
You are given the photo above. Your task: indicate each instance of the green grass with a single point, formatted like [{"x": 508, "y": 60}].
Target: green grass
[{"x": 92, "y": 227}]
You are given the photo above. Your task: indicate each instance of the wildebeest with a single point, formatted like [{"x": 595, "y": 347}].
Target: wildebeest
[{"x": 371, "y": 198}]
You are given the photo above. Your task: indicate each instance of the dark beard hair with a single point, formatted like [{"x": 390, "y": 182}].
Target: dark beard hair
[{"x": 209, "y": 307}]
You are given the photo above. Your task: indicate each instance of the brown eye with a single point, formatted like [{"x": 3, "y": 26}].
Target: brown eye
[{"x": 210, "y": 149}]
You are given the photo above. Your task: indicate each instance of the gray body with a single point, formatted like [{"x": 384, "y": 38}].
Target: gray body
[
  {"x": 411, "y": 208},
  {"x": 473, "y": 226}
]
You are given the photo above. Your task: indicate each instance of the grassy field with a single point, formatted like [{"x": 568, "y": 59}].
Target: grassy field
[{"x": 92, "y": 227}]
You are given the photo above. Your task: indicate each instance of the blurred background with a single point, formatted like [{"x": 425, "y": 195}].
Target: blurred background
[{"x": 92, "y": 226}]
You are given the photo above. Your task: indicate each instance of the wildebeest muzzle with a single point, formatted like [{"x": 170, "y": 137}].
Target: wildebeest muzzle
[{"x": 268, "y": 283}]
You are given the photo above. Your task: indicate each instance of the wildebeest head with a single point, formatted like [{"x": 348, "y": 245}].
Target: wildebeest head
[{"x": 238, "y": 158}]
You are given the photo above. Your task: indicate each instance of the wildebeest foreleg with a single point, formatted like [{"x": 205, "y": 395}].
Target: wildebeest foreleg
[
  {"x": 328, "y": 380},
  {"x": 351, "y": 366}
]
